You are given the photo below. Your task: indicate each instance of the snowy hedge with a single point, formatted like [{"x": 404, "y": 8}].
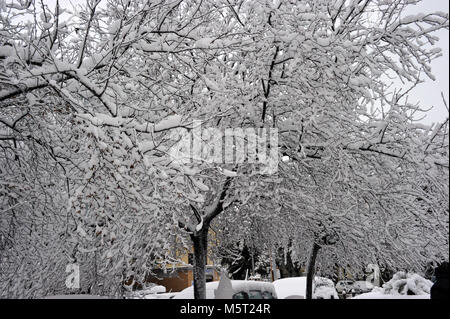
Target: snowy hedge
[{"x": 403, "y": 283}]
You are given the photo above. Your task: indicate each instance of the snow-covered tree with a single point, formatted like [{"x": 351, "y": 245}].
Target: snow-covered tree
[{"x": 126, "y": 77}]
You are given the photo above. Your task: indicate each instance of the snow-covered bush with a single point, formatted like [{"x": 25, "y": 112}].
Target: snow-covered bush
[{"x": 403, "y": 283}]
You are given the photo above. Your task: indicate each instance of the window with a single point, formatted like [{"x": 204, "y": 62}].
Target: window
[
  {"x": 255, "y": 294},
  {"x": 267, "y": 295},
  {"x": 240, "y": 295},
  {"x": 191, "y": 259}
]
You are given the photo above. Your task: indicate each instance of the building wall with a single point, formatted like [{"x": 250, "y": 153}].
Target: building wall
[
  {"x": 174, "y": 281},
  {"x": 180, "y": 278},
  {"x": 182, "y": 275}
]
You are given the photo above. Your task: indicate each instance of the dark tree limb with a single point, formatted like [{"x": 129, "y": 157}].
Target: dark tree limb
[{"x": 311, "y": 270}]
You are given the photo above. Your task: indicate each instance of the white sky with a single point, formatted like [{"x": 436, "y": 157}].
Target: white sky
[{"x": 429, "y": 93}]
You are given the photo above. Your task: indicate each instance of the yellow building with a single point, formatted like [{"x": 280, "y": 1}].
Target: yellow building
[{"x": 181, "y": 275}]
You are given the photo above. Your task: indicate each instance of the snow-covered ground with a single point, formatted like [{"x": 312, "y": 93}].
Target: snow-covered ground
[
  {"x": 147, "y": 293},
  {"x": 381, "y": 295},
  {"x": 167, "y": 295},
  {"x": 80, "y": 296}
]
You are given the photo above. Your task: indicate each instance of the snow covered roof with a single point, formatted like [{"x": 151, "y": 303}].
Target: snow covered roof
[{"x": 294, "y": 286}]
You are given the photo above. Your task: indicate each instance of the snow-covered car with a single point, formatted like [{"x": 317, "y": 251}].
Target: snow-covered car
[
  {"x": 240, "y": 289},
  {"x": 361, "y": 287},
  {"x": 344, "y": 285},
  {"x": 325, "y": 292},
  {"x": 324, "y": 289},
  {"x": 295, "y": 288},
  {"x": 291, "y": 288}
]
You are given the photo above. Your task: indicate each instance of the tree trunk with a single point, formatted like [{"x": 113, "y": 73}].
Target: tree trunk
[
  {"x": 200, "y": 244},
  {"x": 288, "y": 268},
  {"x": 273, "y": 265},
  {"x": 311, "y": 270},
  {"x": 200, "y": 239}
]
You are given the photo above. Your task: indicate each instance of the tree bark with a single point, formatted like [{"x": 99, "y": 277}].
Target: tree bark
[
  {"x": 200, "y": 244},
  {"x": 311, "y": 270},
  {"x": 200, "y": 239}
]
